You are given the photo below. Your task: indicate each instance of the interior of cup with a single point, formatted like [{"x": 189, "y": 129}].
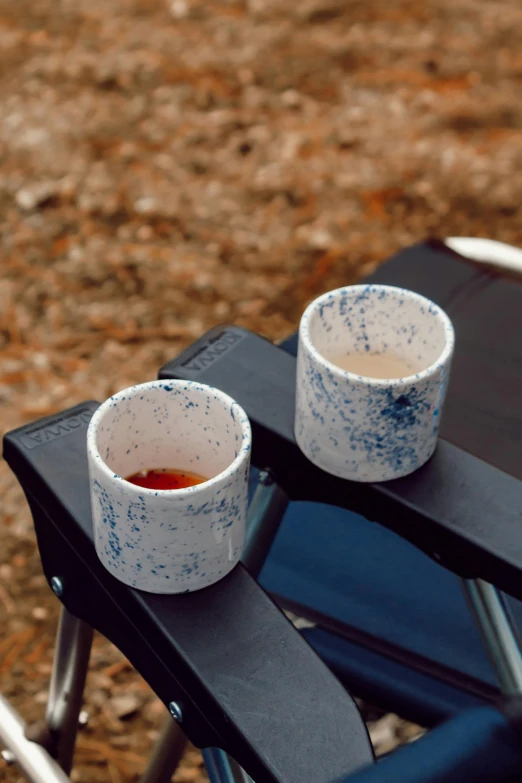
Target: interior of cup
[
  {"x": 177, "y": 425},
  {"x": 375, "y": 320}
]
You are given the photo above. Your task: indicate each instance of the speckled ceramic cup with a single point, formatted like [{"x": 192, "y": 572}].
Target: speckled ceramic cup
[
  {"x": 362, "y": 428},
  {"x": 169, "y": 541}
]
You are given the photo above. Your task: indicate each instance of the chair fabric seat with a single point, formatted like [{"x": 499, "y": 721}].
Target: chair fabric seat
[{"x": 477, "y": 746}]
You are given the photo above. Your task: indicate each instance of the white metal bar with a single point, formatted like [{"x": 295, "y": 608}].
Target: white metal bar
[
  {"x": 32, "y": 759},
  {"x": 71, "y": 661},
  {"x": 488, "y": 251},
  {"x": 498, "y": 634}
]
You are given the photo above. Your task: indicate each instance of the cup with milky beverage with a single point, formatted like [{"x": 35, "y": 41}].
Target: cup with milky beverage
[
  {"x": 372, "y": 372},
  {"x": 168, "y": 466}
]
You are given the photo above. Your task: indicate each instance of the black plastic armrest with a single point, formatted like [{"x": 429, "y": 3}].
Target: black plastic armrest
[
  {"x": 247, "y": 682},
  {"x": 457, "y": 508}
]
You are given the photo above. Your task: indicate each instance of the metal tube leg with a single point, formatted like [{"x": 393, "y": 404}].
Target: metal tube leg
[
  {"x": 71, "y": 661},
  {"x": 265, "y": 513},
  {"x": 166, "y": 754},
  {"x": 31, "y": 758},
  {"x": 222, "y": 768},
  {"x": 500, "y": 638},
  {"x": 239, "y": 774}
]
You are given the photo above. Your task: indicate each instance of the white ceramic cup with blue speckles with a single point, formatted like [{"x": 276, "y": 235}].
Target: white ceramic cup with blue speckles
[
  {"x": 169, "y": 541},
  {"x": 364, "y": 428}
]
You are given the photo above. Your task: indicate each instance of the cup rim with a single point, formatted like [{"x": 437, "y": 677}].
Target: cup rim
[
  {"x": 445, "y": 355},
  {"x": 242, "y": 455}
]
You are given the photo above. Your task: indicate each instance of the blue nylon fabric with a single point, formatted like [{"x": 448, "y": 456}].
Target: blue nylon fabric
[
  {"x": 366, "y": 577},
  {"x": 393, "y": 686},
  {"x": 477, "y": 746}
]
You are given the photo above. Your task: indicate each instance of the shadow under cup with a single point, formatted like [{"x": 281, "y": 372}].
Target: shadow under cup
[
  {"x": 169, "y": 541},
  {"x": 363, "y": 428}
]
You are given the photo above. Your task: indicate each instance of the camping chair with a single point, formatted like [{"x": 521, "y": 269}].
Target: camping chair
[{"x": 232, "y": 670}]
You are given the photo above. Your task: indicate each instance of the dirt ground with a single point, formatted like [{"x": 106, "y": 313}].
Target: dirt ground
[{"x": 166, "y": 165}]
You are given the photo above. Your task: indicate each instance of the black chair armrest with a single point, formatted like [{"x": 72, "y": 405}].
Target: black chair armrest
[
  {"x": 246, "y": 680},
  {"x": 456, "y": 508}
]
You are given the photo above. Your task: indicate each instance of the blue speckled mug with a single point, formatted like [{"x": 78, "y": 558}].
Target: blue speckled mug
[
  {"x": 169, "y": 541},
  {"x": 364, "y": 428}
]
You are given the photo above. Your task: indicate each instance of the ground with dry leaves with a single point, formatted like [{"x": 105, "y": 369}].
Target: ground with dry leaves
[{"x": 164, "y": 167}]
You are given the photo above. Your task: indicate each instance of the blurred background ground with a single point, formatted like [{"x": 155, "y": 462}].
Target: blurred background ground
[{"x": 168, "y": 165}]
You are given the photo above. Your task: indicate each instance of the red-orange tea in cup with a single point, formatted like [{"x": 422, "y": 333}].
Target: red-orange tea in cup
[{"x": 165, "y": 478}]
